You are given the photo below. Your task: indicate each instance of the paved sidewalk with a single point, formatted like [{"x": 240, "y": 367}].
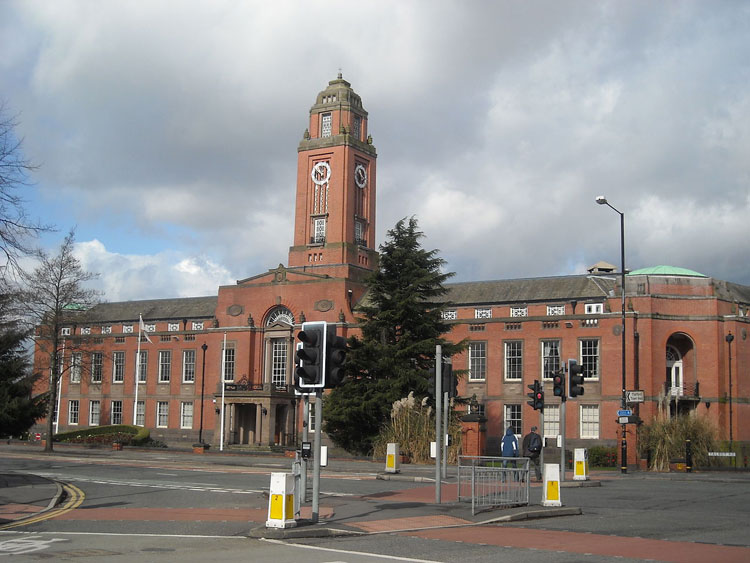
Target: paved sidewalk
[{"x": 23, "y": 496}]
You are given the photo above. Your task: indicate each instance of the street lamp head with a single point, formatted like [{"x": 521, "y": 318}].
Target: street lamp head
[
  {"x": 204, "y": 347},
  {"x": 729, "y": 337},
  {"x": 601, "y": 200}
]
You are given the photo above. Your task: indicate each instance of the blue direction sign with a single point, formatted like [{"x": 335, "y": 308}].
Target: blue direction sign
[{"x": 624, "y": 412}]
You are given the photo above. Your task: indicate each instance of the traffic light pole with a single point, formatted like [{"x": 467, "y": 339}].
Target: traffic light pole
[
  {"x": 305, "y": 438},
  {"x": 316, "y": 454},
  {"x": 446, "y": 402},
  {"x": 562, "y": 440},
  {"x": 438, "y": 412}
]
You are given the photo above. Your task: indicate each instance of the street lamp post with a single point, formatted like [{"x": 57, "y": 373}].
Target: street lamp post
[
  {"x": 204, "y": 347},
  {"x": 729, "y": 338},
  {"x": 601, "y": 200}
]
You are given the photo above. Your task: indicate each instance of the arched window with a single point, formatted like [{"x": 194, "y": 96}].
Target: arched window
[{"x": 280, "y": 315}]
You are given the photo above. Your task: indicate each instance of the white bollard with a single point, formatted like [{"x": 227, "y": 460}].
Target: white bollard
[
  {"x": 580, "y": 464},
  {"x": 281, "y": 501},
  {"x": 551, "y": 496},
  {"x": 392, "y": 458}
]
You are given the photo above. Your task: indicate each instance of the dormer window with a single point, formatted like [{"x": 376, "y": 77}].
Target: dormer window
[{"x": 325, "y": 125}]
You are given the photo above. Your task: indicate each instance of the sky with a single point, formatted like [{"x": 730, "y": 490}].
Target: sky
[{"x": 166, "y": 132}]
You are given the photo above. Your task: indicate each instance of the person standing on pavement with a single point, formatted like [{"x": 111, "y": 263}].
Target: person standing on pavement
[
  {"x": 532, "y": 448},
  {"x": 509, "y": 446}
]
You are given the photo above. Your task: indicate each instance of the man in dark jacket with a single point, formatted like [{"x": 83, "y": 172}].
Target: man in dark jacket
[{"x": 532, "y": 448}]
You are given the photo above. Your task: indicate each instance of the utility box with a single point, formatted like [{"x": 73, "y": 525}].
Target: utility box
[{"x": 281, "y": 501}]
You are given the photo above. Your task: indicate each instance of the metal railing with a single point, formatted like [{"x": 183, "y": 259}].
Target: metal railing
[{"x": 492, "y": 482}]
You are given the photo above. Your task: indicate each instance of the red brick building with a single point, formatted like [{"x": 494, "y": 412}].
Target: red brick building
[{"x": 677, "y": 326}]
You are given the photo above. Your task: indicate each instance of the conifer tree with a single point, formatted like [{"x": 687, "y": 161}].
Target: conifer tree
[{"x": 401, "y": 324}]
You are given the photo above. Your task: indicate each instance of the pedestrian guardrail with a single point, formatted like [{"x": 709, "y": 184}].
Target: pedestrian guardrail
[{"x": 491, "y": 482}]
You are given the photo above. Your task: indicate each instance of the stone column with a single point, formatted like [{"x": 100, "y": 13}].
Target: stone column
[{"x": 474, "y": 433}]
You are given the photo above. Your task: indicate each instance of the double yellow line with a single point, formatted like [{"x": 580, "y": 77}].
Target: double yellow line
[{"x": 74, "y": 497}]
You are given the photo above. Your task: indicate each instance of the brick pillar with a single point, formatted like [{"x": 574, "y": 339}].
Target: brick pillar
[{"x": 474, "y": 434}]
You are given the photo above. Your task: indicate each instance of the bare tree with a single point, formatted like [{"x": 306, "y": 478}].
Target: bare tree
[
  {"x": 16, "y": 228},
  {"x": 54, "y": 293}
]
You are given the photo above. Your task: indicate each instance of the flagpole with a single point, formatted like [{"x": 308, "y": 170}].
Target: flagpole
[
  {"x": 59, "y": 387},
  {"x": 137, "y": 371},
  {"x": 223, "y": 370}
]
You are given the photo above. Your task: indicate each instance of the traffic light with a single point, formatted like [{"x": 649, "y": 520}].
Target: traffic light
[
  {"x": 335, "y": 358},
  {"x": 558, "y": 384},
  {"x": 575, "y": 378},
  {"x": 536, "y": 396},
  {"x": 450, "y": 381},
  {"x": 312, "y": 356}
]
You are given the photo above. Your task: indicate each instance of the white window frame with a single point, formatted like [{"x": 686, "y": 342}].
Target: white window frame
[
  {"x": 95, "y": 413},
  {"x": 594, "y": 308},
  {"x": 142, "y": 365},
  {"x": 107, "y": 329},
  {"x": 555, "y": 310},
  {"x": 326, "y": 124},
  {"x": 140, "y": 413},
  {"x": 127, "y": 329},
  {"x": 229, "y": 358},
  {"x": 517, "y": 364},
  {"x": 319, "y": 230},
  {"x": 186, "y": 414},
  {"x": 480, "y": 345},
  {"x": 311, "y": 426},
  {"x": 165, "y": 366},
  {"x": 589, "y": 374},
  {"x": 512, "y": 417},
  {"x": 589, "y": 422},
  {"x": 97, "y": 367},
  {"x": 519, "y": 311},
  {"x": 197, "y": 325},
  {"x": 450, "y": 315},
  {"x": 118, "y": 367},
  {"x": 173, "y": 327},
  {"x": 85, "y": 330},
  {"x": 162, "y": 414},
  {"x": 548, "y": 374},
  {"x": 76, "y": 361},
  {"x": 279, "y": 360},
  {"x": 116, "y": 413},
  {"x": 65, "y": 331},
  {"x": 551, "y": 421},
  {"x": 483, "y": 313},
  {"x": 188, "y": 366},
  {"x": 73, "y": 412}
]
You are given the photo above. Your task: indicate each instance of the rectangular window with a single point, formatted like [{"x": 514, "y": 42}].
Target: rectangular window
[
  {"x": 514, "y": 360},
  {"x": 550, "y": 358},
  {"x": 590, "y": 358},
  {"x": 95, "y": 410},
  {"x": 127, "y": 329},
  {"x": 65, "y": 331},
  {"x": 186, "y": 415},
  {"x": 75, "y": 367},
  {"x": 97, "y": 360},
  {"x": 165, "y": 365},
  {"x": 484, "y": 313},
  {"x": 116, "y": 412},
  {"x": 589, "y": 421},
  {"x": 450, "y": 315},
  {"x": 140, "y": 413},
  {"x": 229, "y": 362},
  {"x": 311, "y": 426},
  {"x": 118, "y": 367},
  {"x": 142, "y": 365},
  {"x": 278, "y": 361},
  {"x": 512, "y": 418},
  {"x": 519, "y": 312},
  {"x": 594, "y": 308},
  {"x": 172, "y": 327},
  {"x": 73, "y": 412},
  {"x": 162, "y": 414},
  {"x": 119, "y": 340},
  {"x": 325, "y": 125},
  {"x": 359, "y": 233},
  {"x": 188, "y": 366},
  {"x": 357, "y": 127},
  {"x": 477, "y": 361},
  {"x": 107, "y": 329},
  {"x": 551, "y": 421},
  {"x": 86, "y": 330},
  {"x": 197, "y": 326},
  {"x": 319, "y": 230},
  {"x": 555, "y": 310}
]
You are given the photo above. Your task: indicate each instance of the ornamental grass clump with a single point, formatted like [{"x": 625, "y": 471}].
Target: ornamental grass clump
[
  {"x": 412, "y": 427},
  {"x": 664, "y": 438}
]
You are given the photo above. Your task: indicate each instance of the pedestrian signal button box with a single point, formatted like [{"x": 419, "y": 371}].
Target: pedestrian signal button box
[{"x": 281, "y": 501}]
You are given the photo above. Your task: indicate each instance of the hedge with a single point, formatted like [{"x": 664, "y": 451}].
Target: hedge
[{"x": 123, "y": 433}]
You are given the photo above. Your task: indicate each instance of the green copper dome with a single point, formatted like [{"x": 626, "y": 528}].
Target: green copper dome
[{"x": 666, "y": 271}]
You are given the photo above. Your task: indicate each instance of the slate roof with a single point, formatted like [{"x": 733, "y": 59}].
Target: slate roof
[
  {"x": 562, "y": 288},
  {"x": 152, "y": 310}
]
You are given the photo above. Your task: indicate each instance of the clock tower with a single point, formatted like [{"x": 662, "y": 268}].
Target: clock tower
[{"x": 334, "y": 225}]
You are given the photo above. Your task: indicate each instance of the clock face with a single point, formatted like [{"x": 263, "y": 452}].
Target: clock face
[
  {"x": 360, "y": 176},
  {"x": 321, "y": 173}
]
